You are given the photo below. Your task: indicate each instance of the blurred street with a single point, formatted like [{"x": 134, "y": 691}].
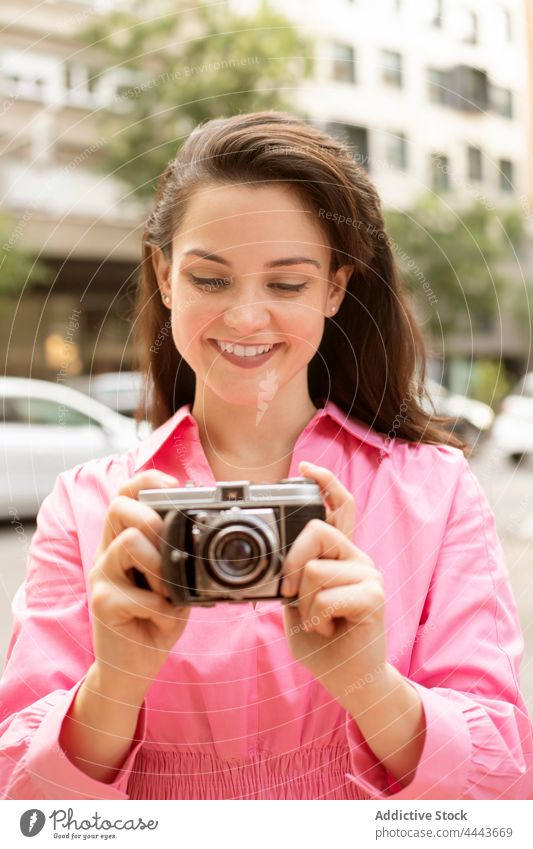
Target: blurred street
[{"x": 510, "y": 492}]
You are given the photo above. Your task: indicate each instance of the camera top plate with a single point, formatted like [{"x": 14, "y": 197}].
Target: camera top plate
[{"x": 224, "y": 494}]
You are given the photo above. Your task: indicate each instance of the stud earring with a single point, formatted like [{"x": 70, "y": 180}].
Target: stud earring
[
  {"x": 333, "y": 309},
  {"x": 166, "y": 299}
]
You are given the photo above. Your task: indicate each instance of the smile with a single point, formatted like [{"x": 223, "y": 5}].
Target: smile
[
  {"x": 246, "y": 356},
  {"x": 244, "y": 350}
]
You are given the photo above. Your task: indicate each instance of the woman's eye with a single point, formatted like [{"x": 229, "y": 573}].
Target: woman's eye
[
  {"x": 210, "y": 283},
  {"x": 287, "y": 287}
]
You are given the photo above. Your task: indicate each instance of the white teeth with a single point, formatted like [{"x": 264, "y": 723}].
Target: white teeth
[{"x": 244, "y": 350}]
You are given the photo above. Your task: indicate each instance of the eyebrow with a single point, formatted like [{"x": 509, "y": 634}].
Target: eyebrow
[{"x": 275, "y": 263}]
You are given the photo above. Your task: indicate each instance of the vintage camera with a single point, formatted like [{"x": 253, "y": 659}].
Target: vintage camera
[{"x": 227, "y": 542}]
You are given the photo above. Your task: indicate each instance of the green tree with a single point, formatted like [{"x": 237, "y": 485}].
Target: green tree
[
  {"x": 462, "y": 265},
  {"x": 18, "y": 265},
  {"x": 187, "y": 66}
]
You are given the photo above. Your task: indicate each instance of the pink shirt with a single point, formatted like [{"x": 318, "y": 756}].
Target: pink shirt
[{"x": 232, "y": 714}]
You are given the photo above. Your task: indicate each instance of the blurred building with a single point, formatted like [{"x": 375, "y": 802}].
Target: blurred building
[
  {"x": 529, "y": 35},
  {"x": 54, "y": 199},
  {"x": 432, "y": 95}
]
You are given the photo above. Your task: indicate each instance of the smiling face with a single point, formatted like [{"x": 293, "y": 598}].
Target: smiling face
[{"x": 249, "y": 290}]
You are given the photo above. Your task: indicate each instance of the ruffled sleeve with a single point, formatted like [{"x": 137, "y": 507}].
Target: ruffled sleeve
[
  {"x": 49, "y": 654},
  {"x": 465, "y": 666}
]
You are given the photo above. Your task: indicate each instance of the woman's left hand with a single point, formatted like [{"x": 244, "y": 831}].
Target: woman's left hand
[{"x": 337, "y": 629}]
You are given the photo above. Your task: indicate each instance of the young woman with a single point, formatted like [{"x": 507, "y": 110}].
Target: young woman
[{"x": 277, "y": 342}]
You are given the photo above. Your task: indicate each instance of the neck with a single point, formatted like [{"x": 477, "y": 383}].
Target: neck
[{"x": 260, "y": 432}]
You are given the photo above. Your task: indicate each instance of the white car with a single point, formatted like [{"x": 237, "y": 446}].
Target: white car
[
  {"x": 512, "y": 433},
  {"x": 46, "y": 428},
  {"x": 472, "y": 418},
  {"x": 120, "y": 390}
]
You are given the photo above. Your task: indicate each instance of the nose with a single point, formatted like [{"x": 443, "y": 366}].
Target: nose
[{"x": 247, "y": 317}]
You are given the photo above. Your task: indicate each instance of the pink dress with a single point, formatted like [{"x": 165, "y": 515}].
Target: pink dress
[{"x": 232, "y": 715}]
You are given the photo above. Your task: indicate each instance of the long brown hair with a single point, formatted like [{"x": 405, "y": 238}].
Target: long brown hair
[{"x": 371, "y": 360}]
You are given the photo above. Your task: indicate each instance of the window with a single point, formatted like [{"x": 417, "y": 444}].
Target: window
[
  {"x": 342, "y": 63},
  {"x": 355, "y": 137},
  {"x": 475, "y": 163},
  {"x": 438, "y": 85},
  {"x": 467, "y": 25},
  {"x": 435, "y": 17},
  {"x": 117, "y": 88},
  {"x": 358, "y": 142},
  {"x": 506, "y": 175},
  {"x": 462, "y": 87},
  {"x": 27, "y": 86},
  {"x": 469, "y": 88},
  {"x": 440, "y": 172},
  {"x": 391, "y": 67},
  {"x": 80, "y": 83},
  {"x": 501, "y": 100},
  {"x": 396, "y": 151},
  {"x": 31, "y": 76},
  {"x": 505, "y": 24},
  {"x": 42, "y": 411}
]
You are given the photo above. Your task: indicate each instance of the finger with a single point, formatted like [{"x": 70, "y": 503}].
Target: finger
[
  {"x": 320, "y": 574},
  {"x": 316, "y": 540},
  {"x": 124, "y": 512},
  {"x": 340, "y": 504},
  {"x": 131, "y": 549},
  {"x": 149, "y": 479},
  {"x": 118, "y": 608},
  {"x": 357, "y": 603}
]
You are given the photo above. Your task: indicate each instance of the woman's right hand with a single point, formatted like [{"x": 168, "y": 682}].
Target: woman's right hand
[{"x": 133, "y": 628}]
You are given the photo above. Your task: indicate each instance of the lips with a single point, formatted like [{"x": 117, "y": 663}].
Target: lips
[{"x": 246, "y": 362}]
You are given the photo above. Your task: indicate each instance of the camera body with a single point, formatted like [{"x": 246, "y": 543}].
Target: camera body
[{"x": 227, "y": 542}]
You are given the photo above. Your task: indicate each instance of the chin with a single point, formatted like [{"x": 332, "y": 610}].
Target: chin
[{"x": 239, "y": 398}]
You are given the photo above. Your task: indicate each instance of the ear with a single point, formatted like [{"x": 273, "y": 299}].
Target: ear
[
  {"x": 337, "y": 287},
  {"x": 162, "y": 269}
]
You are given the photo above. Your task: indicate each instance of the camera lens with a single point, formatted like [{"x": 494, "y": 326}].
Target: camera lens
[
  {"x": 238, "y": 554},
  {"x": 235, "y": 552}
]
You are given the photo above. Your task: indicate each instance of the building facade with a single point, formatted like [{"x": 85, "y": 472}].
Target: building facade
[
  {"x": 431, "y": 96},
  {"x": 81, "y": 222}
]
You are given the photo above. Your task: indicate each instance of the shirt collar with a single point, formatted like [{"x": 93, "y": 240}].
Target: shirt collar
[
  {"x": 184, "y": 421},
  {"x": 181, "y": 420}
]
